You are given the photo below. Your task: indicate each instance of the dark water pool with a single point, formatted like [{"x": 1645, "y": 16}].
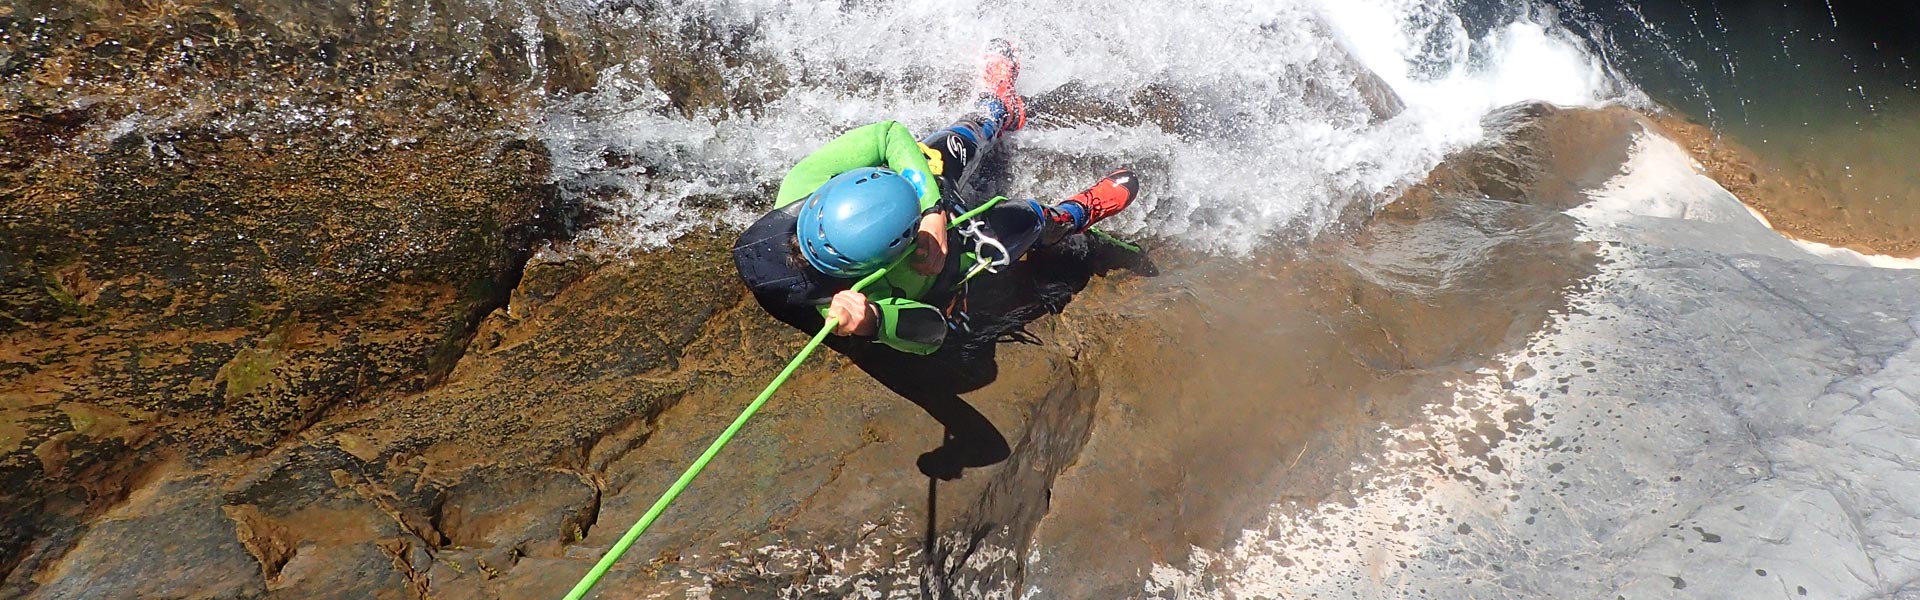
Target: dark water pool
[{"x": 1825, "y": 89}]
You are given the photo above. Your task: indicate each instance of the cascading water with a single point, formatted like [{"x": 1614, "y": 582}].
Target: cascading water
[{"x": 1267, "y": 127}]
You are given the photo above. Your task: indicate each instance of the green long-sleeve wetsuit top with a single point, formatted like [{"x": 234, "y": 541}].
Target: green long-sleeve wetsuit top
[{"x": 787, "y": 287}]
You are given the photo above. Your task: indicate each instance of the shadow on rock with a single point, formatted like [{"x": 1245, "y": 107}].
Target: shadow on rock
[{"x": 998, "y": 309}]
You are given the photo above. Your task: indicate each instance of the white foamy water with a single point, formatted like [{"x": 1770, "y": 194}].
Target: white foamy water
[{"x": 1271, "y": 135}]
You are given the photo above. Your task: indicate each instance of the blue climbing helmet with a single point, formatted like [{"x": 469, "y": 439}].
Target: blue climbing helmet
[{"x": 860, "y": 221}]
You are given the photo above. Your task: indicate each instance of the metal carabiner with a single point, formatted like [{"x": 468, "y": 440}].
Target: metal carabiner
[{"x": 983, "y": 242}]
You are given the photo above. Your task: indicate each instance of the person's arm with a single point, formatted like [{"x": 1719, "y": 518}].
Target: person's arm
[
  {"x": 903, "y": 154},
  {"x": 902, "y": 324},
  {"x": 885, "y": 144},
  {"x": 910, "y": 326}
]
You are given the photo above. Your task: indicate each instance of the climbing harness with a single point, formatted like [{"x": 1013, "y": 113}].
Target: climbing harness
[
  {"x": 936, "y": 162},
  {"x": 970, "y": 228}
]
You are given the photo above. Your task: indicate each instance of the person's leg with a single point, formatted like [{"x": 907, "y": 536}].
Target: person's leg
[
  {"x": 997, "y": 110},
  {"x": 1105, "y": 198},
  {"x": 963, "y": 145},
  {"x": 1022, "y": 225},
  {"x": 1019, "y": 225}
]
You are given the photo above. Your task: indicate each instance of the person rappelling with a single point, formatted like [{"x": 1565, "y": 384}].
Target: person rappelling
[
  {"x": 829, "y": 257},
  {"x": 859, "y": 203}
]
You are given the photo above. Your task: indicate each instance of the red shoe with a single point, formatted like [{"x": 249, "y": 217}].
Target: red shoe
[
  {"x": 1002, "y": 67},
  {"x": 1111, "y": 195}
]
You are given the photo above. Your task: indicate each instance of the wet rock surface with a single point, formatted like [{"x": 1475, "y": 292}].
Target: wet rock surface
[
  {"x": 162, "y": 308},
  {"x": 505, "y": 472},
  {"x": 1537, "y": 154},
  {"x": 198, "y": 266},
  {"x": 251, "y": 354},
  {"x": 1275, "y": 411},
  {"x": 1695, "y": 419},
  {"x": 506, "y": 476}
]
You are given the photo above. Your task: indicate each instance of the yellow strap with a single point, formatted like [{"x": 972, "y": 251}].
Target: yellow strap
[{"x": 935, "y": 161}]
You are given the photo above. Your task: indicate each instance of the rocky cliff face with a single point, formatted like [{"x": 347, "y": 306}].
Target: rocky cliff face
[
  {"x": 165, "y": 308},
  {"x": 198, "y": 264}
]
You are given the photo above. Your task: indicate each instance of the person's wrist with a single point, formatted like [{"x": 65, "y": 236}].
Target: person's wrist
[{"x": 872, "y": 323}]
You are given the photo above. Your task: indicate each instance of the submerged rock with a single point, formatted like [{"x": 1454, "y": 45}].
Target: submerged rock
[
  {"x": 1799, "y": 200},
  {"x": 1538, "y": 154}
]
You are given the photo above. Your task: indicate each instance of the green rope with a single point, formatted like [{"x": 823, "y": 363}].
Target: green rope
[
  {"x": 619, "y": 548},
  {"x": 659, "y": 506},
  {"x": 975, "y": 212},
  {"x": 1114, "y": 240}
]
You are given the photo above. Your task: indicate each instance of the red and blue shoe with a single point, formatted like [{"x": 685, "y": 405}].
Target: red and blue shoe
[
  {"x": 1001, "y": 67},
  {"x": 1106, "y": 198}
]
